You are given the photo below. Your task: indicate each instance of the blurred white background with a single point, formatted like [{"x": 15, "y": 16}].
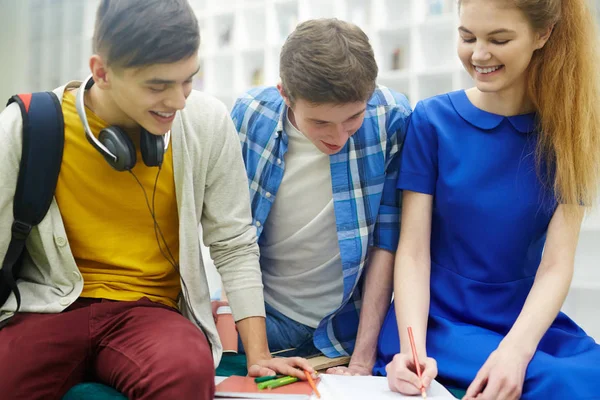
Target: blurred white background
[{"x": 45, "y": 43}]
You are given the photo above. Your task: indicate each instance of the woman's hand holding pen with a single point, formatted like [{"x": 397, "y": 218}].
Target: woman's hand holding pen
[
  {"x": 402, "y": 374},
  {"x": 501, "y": 377}
]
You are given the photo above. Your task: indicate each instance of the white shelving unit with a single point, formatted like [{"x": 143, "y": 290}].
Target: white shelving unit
[{"x": 414, "y": 43}]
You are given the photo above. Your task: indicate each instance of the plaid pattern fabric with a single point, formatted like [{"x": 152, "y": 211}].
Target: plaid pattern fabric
[{"x": 363, "y": 175}]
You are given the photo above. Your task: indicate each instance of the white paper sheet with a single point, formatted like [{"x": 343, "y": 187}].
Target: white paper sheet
[{"x": 340, "y": 387}]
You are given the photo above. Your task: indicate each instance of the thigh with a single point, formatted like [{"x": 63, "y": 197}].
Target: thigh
[
  {"x": 149, "y": 351},
  {"x": 43, "y": 355},
  {"x": 284, "y": 333},
  {"x": 573, "y": 376}
]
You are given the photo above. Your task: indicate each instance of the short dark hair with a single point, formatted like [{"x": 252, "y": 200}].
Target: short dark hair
[
  {"x": 328, "y": 61},
  {"x": 135, "y": 33}
]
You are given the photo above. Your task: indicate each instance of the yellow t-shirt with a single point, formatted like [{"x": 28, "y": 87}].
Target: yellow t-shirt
[{"x": 108, "y": 224}]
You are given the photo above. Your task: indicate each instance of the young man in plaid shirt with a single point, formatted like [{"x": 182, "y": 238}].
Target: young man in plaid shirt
[{"x": 322, "y": 153}]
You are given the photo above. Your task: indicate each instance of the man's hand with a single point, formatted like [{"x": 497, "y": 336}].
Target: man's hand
[
  {"x": 259, "y": 360},
  {"x": 353, "y": 369},
  {"x": 292, "y": 366},
  {"x": 501, "y": 377}
]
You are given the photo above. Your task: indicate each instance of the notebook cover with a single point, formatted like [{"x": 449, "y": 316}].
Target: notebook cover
[
  {"x": 322, "y": 363},
  {"x": 243, "y": 384},
  {"x": 227, "y": 330}
]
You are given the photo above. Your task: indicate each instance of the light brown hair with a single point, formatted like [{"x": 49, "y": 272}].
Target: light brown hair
[
  {"x": 135, "y": 33},
  {"x": 328, "y": 61},
  {"x": 563, "y": 84}
]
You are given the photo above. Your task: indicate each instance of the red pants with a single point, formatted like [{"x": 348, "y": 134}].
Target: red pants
[{"x": 143, "y": 349}]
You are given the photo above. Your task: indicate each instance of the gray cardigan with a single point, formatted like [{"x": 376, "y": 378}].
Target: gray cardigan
[{"x": 212, "y": 201}]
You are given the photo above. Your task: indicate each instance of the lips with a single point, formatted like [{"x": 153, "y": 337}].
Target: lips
[
  {"x": 331, "y": 146},
  {"x": 487, "y": 70},
  {"x": 164, "y": 114},
  {"x": 163, "y": 117}
]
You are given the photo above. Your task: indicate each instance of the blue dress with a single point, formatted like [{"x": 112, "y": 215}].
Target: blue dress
[{"x": 490, "y": 217}]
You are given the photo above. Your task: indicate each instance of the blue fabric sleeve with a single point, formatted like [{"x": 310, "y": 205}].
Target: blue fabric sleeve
[
  {"x": 387, "y": 228},
  {"x": 419, "y": 161}
]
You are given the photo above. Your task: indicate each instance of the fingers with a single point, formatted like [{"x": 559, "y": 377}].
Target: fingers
[
  {"x": 430, "y": 371},
  {"x": 491, "y": 391},
  {"x": 348, "y": 371},
  {"x": 401, "y": 378},
  {"x": 301, "y": 363},
  {"x": 359, "y": 371},
  {"x": 258, "y": 370},
  {"x": 476, "y": 387},
  {"x": 293, "y": 366},
  {"x": 402, "y": 387},
  {"x": 338, "y": 371},
  {"x": 501, "y": 388},
  {"x": 296, "y": 367},
  {"x": 287, "y": 369}
]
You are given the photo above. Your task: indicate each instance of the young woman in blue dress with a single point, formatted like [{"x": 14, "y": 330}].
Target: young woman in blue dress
[{"x": 495, "y": 181}]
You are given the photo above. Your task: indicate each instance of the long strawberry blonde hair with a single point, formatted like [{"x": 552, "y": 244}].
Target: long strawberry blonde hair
[{"x": 563, "y": 84}]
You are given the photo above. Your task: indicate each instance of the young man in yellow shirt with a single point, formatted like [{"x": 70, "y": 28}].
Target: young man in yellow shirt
[{"x": 113, "y": 285}]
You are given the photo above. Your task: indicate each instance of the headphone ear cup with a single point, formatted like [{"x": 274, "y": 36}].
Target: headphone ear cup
[
  {"x": 117, "y": 141},
  {"x": 152, "y": 148}
]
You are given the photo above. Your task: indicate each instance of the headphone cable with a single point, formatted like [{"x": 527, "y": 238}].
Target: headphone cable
[{"x": 157, "y": 229}]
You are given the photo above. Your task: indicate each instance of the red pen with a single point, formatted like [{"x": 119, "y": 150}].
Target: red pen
[{"x": 416, "y": 360}]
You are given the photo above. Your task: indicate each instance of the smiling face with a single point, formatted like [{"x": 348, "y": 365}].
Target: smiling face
[
  {"x": 150, "y": 96},
  {"x": 496, "y": 44},
  {"x": 327, "y": 126}
]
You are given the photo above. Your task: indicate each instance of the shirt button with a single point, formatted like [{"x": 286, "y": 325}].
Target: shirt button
[
  {"x": 65, "y": 301},
  {"x": 267, "y": 195},
  {"x": 258, "y": 223},
  {"x": 279, "y": 161},
  {"x": 60, "y": 241}
]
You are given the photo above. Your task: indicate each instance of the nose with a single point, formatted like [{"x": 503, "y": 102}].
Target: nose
[
  {"x": 480, "y": 52},
  {"x": 177, "y": 97},
  {"x": 342, "y": 134}
]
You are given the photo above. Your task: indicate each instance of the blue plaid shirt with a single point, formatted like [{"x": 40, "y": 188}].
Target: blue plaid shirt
[{"x": 363, "y": 176}]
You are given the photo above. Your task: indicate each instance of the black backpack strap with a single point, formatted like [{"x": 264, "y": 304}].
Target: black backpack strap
[{"x": 43, "y": 142}]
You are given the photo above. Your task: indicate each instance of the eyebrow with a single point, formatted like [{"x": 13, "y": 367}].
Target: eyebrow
[
  {"x": 158, "y": 81},
  {"x": 495, "y": 32},
  {"x": 355, "y": 115}
]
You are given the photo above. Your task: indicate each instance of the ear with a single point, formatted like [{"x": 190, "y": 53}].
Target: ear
[
  {"x": 543, "y": 36},
  {"x": 284, "y": 95},
  {"x": 100, "y": 71}
]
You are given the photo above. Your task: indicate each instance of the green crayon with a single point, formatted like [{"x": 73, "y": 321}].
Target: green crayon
[
  {"x": 281, "y": 382},
  {"x": 267, "y": 383},
  {"x": 267, "y": 378}
]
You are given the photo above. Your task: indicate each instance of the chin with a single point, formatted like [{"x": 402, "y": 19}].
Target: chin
[
  {"x": 157, "y": 130},
  {"x": 486, "y": 87},
  {"x": 330, "y": 152}
]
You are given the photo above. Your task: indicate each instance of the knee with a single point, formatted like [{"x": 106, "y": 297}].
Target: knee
[
  {"x": 555, "y": 380},
  {"x": 190, "y": 358},
  {"x": 194, "y": 365},
  {"x": 186, "y": 371}
]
